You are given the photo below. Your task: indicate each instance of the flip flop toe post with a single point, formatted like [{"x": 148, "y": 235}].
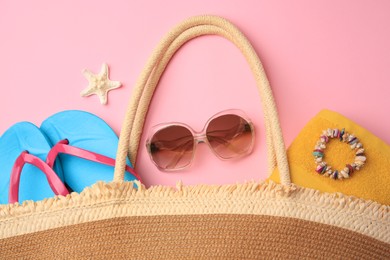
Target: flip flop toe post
[{"x": 88, "y": 133}]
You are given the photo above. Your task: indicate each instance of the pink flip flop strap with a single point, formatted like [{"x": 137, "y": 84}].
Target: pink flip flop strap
[
  {"x": 64, "y": 147},
  {"x": 55, "y": 183}
]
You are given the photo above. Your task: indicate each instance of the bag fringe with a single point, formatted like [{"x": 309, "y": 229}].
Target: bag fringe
[
  {"x": 264, "y": 198},
  {"x": 264, "y": 189}
]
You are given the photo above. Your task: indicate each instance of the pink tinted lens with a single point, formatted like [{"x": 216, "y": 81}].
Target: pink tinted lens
[
  {"x": 172, "y": 147},
  {"x": 230, "y": 136}
]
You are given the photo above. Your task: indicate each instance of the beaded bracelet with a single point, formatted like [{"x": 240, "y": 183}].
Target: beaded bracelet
[{"x": 326, "y": 170}]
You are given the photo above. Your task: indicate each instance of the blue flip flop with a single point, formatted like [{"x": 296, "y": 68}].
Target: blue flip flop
[
  {"x": 25, "y": 136},
  {"x": 83, "y": 130}
]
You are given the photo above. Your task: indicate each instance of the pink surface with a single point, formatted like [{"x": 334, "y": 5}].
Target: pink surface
[{"x": 317, "y": 54}]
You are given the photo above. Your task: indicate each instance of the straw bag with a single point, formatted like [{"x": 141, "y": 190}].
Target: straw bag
[{"x": 252, "y": 220}]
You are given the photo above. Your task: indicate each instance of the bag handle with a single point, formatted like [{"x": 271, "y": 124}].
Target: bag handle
[{"x": 147, "y": 83}]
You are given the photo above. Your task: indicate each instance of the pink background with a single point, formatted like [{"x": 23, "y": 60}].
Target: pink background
[{"x": 317, "y": 54}]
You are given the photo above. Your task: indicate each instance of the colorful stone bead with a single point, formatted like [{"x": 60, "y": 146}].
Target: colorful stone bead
[
  {"x": 318, "y": 153},
  {"x": 352, "y": 139},
  {"x": 324, "y": 139},
  {"x": 336, "y": 133},
  {"x": 361, "y": 158},
  {"x": 359, "y": 163},
  {"x": 341, "y": 134},
  {"x": 360, "y": 152},
  {"x": 344, "y": 174},
  {"x": 350, "y": 168},
  {"x": 321, "y": 168}
]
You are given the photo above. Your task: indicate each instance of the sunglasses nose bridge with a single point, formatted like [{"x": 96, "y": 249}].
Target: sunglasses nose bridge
[{"x": 200, "y": 138}]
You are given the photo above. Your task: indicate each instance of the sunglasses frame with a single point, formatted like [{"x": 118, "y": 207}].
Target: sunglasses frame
[{"x": 201, "y": 137}]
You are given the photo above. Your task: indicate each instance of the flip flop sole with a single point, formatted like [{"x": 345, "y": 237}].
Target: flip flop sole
[
  {"x": 25, "y": 136},
  {"x": 87, "y": 131}
]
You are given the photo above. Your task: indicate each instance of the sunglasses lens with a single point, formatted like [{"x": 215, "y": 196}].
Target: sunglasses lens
[
  {"x": 230, "y": 136},
  {"x": 172, "y": 147}
]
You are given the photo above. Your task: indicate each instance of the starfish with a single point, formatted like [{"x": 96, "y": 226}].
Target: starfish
[{"x": 99, "y": 84}]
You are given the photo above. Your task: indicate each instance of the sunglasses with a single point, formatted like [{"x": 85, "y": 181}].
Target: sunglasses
[{"x": 229, "y": 134}]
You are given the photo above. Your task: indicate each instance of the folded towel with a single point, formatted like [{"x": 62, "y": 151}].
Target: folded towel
[{"x": 372, "y": 182}]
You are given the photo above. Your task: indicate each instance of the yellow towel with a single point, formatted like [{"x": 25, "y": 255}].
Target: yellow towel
[{"x": 371, "y": 182}]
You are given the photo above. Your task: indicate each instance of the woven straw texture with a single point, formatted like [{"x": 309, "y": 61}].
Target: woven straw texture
[
  {"x": 194, "y": 237},
  {"x": 234, "y": 221},
  {"x": 240, "y": 221}
]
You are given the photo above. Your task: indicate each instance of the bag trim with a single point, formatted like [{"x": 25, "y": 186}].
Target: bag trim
[{"x": 120, "y": 199}]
